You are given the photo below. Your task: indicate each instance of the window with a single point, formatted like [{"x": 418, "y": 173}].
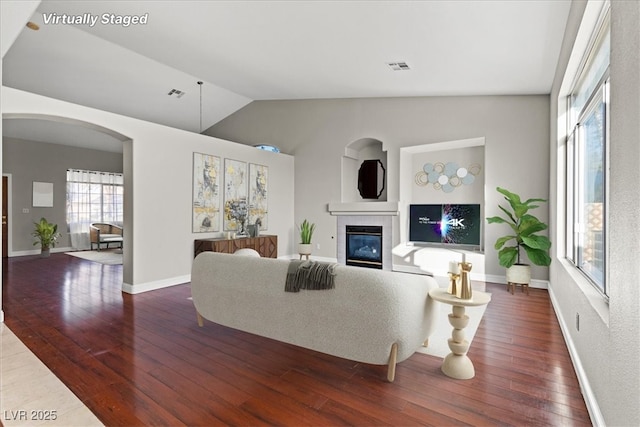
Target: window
[
  {"x": 266, "y": 147},
  {"x": 92, "y": 197},
  {"x": 587, "y": 151}
]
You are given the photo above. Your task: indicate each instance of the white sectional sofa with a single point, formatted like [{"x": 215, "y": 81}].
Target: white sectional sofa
[{"x": 371, "y": 316}]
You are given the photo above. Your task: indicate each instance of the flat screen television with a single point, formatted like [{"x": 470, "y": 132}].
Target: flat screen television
[{"x": 445, "y": 224}]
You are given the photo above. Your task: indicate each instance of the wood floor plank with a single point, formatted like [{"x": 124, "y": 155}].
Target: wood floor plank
[{"x": 142, "y": 360}]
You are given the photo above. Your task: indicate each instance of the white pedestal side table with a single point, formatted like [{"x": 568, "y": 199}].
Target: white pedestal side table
[{"x": 457, "y": 364}]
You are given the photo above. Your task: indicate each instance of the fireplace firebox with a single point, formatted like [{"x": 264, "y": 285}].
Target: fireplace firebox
[{"x": 364, "y": 246}]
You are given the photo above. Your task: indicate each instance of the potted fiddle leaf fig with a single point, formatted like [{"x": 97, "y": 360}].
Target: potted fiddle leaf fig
[
  {"x": 46, "y": 235},
  {"x": 524, "y": 235},
  {"x": 306, "y": 233}
]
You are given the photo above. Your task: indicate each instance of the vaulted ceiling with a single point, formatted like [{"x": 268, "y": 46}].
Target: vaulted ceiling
[{"x": 244, "y": 51}]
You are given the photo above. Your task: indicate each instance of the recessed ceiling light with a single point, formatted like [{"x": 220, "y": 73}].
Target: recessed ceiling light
[
  {"x": 33, "y": 26},
  {"x": 398, "y": 66}
]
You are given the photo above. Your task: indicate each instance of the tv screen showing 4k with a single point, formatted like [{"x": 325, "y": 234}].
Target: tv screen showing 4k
[{"x": 446, "y": 224}]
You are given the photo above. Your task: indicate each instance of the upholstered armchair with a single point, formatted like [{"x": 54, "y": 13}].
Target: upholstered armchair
[{"x": 105, "y": 234}]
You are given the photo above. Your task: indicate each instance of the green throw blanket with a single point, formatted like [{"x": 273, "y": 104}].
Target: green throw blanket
[{"x": 312, "y": 275}]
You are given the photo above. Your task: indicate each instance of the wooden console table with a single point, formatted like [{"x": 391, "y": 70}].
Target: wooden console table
[{"x": 266, "y": 246}]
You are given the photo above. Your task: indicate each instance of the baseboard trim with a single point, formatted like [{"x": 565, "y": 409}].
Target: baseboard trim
[
  {"x": 585, "y": 386},
  {"x": 37, "y": 252},
  {"x": 535, "y": 283},
  {"x": 152, "y": 286}
]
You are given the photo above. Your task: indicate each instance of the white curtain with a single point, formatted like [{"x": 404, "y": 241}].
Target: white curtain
[{"x": 86, "y": 203}]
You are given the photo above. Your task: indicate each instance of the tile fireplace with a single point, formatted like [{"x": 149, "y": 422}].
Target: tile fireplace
[{"x": 365, "y": 244}]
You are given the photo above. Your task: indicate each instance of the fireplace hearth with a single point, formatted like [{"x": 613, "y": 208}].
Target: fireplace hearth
[{"x": 364, "y": 246}]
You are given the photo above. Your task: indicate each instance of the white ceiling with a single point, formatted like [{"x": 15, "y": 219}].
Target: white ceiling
[{"x": 258, "y": 50}]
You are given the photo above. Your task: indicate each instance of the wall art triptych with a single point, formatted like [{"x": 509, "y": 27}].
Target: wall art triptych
[{"x": 245, "y": 195}]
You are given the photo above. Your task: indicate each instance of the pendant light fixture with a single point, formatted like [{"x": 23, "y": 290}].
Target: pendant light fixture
[{"x": 200, "y": 83}]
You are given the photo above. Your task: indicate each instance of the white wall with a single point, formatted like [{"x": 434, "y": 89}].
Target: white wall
[
  {"x": 161, "y": 245},
  {"x": 606, "y": 348},
  {"x": 515, "y": 129}
]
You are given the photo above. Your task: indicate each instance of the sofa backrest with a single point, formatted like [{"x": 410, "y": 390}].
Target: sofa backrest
[{"x": 360, "y": 319}]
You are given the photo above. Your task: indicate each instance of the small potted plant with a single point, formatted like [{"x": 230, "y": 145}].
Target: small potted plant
[
  {"x": 306, "y": 233},
  {"x": 524, "y": 227},
  {"x": 47, "y": 236}
]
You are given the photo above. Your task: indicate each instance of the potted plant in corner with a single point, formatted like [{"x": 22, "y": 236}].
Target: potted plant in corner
[
  {"x": 306, "y": 233},
  {"x": 524, "y": 227},
  {"x": 47, "y": 236}
]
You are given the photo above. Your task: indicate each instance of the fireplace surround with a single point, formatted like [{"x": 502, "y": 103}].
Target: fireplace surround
[{"x": 383, "y": 221}]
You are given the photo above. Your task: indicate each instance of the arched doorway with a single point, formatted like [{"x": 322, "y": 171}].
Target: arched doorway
[{"x": 74, "y": 134}]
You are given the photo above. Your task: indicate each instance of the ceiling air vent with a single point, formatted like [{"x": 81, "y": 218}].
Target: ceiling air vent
[
  {"x": 176, "y": 92},
  {"x": 398, "y": 66}
]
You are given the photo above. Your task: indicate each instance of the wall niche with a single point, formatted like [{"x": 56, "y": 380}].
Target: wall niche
[{"x": 364, "y": 172}]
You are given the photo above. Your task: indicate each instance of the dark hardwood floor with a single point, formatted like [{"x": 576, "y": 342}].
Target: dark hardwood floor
[{"x": 142, "y": 360}]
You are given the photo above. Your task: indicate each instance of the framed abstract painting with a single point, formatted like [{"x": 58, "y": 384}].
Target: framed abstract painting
[
  {"x": 235, "y": 196},
  {"x": 206, "y": 193},
  {"x": 259, "y": 195}
]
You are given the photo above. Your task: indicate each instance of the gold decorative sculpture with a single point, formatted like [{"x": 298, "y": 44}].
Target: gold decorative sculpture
[
  {"x": 453, "y": 284},
  {"x": 464, "y": 292},
  {"x": 454, "y": 275}
]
